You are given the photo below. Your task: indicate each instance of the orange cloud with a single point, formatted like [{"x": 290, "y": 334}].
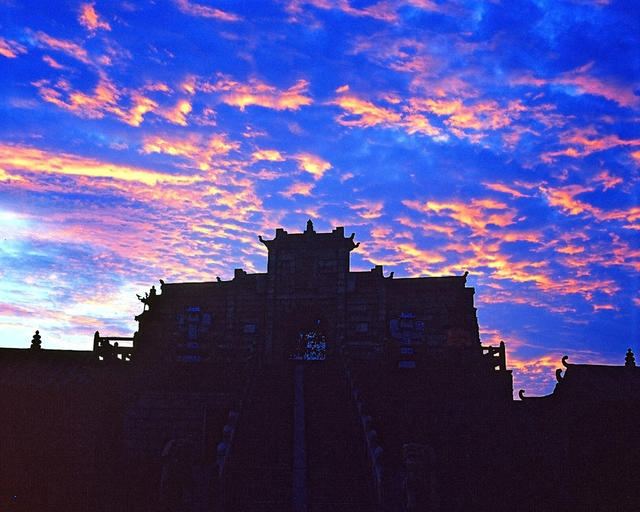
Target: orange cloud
[
  {"x": 585, "y": 83},
  {"x": 204, "y": 11},
  {"x": 363, "y": 113},
  {"x": 368, "y": 209},
  {"x": 106, "y": 97},
  {"x": 565, "y": 198},
  {"x": 312, "y": 164},
  {"x": 473, "y": 214},
  {"x": 140, "y": 105},
  {"x": 500, "y": 187},
  {"x": 584, "y": 141},
  {"x": 199, "y": 151},
  {"x": 258, "y": 93},
  {"x": 67, "y": 47},
  {"x": 417, "y": 123},
  {"x": 28, "y": 159},
  {"x": 103, "y": 99},
  {"x": 178, "y": 114},
  {"x": 271, "y": 155},
  {"x": 383, "y": 10},
  {"x": 607, "y": 180},
  {"x": 299, "y": 188},
  {"x": 90, "y": 20},
  {"x": 52, "y": 62},
  {"x": 11, "y": 49}
]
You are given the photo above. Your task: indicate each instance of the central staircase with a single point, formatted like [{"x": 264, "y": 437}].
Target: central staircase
[
  {"x": 337, "y": 478},
  {"x": 259, "y": 476}
]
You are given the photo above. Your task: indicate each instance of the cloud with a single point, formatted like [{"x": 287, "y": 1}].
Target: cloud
[
  {"x": 363, "y": 113},
  {"x": 259, "y": 93},
  {"x": 584, "y": 83},
  {"x": 105, "y": 98},
  {"x": 270, "y": 155},
  {"x": 500, "y": 187},
  {"x": 368, "y": 209},
  {"x": 90, "y": 19},
  {"x": 203, "y": 11},
  {"x": 312, "y": 164},
  {"x": 477, "y": 214},
  {"x": 565, "y": 198},
  {"x": 178, "y": 114},
  {"x": 298, "y": 188},
  {"x": 382, "y": 10},
  {"x": 197, "y": 149},
  {"x": 584, "y": 141},
  {"x": 67, "y": 47},
  {"x": 28, "y": 159},
  {"x": 52, "y": 62},
  {"x": 11, "y": 49}
]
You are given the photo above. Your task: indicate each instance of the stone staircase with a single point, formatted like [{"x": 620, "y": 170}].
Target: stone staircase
[
  {"x": 259, "y": 475},
  {"x": 337, "y": 478}
]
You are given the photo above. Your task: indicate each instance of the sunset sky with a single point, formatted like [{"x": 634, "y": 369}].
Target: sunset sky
[{"x": 142, "y": 140}]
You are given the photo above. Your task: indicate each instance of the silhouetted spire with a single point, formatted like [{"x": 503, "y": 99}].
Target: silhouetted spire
[
  {"x": 309, "y": 227},
  {"x": 36, "y": 342},
  {"x": 629, "y": 359}
]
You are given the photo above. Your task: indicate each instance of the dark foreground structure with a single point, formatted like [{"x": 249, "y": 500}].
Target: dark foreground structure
[{"x": 310, "y": 388}]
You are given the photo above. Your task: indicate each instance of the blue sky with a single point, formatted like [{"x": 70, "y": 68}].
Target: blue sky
[{"x": 158, "y": 139}]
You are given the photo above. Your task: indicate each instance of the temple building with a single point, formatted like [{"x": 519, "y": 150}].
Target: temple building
[{"x": 309, "y": 387}]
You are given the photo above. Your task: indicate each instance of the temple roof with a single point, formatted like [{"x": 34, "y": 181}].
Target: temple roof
[{"x": 595, "y": 382}]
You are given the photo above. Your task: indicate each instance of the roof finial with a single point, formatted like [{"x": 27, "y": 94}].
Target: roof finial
[
  {"x": 309, "y": 226},
  {"x": 629, "y": 359},
  {"x": 36, "y": 342}
]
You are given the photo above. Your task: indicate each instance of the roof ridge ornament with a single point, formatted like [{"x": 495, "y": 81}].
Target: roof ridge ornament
[
  {"x": 630, "y": 359},
  {"x": 309, "y": 227},
  {"x": 36, "y": 342}
]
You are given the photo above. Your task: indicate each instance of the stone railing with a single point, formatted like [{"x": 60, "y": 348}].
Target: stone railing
[
  {"x": 372, "y": 447},
  {"x": 105, "y": 351},
  {"x": 223, "y": 448}
]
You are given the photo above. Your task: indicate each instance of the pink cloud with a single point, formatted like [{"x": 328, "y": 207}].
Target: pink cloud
[
  {"x": 298, "y": 188},
  {"x": 271, "y": 155},
  {"x": 203, "y": 11},
  {"x": 197, "y": 149},
  {"x": 607, "y": 180},
  {"x": 312, "y": 164},
  {"x": 368, "y": 209},
  {"x": 565, "y": 198},
  {"x": 581, "y": 142},
  {"x": 476, "y": 214},
  {"x": 90, "y": 19},
  {"x": 67, "y": 47},
  {"x": 178, "y": 114},
  {"x": 585, "y": 83},
  {"x": 11, "y": 49},
  {"x": 500, "y": 187},
  {"x": 364, "y": 113},
  {"x": 29, "y": 159},
  {"x": 52, "y": 62},
  {"x": 258, "y": 93}
]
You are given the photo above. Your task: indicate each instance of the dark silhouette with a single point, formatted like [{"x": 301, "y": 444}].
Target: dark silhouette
[
  {"x": 36, "y": 342},
  {"x": 310, "y": 387}
]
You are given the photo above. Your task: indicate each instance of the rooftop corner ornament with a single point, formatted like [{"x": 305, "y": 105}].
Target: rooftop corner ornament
[
  {"x": 36, "y": 342},
  {"x": 629, "y": 359}
]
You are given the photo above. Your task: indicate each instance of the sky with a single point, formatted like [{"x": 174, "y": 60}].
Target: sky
[{"x": 146, "y": 140}]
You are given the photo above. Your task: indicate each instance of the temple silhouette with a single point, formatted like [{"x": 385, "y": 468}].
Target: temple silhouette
[{"x": 308, "y": 388}]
